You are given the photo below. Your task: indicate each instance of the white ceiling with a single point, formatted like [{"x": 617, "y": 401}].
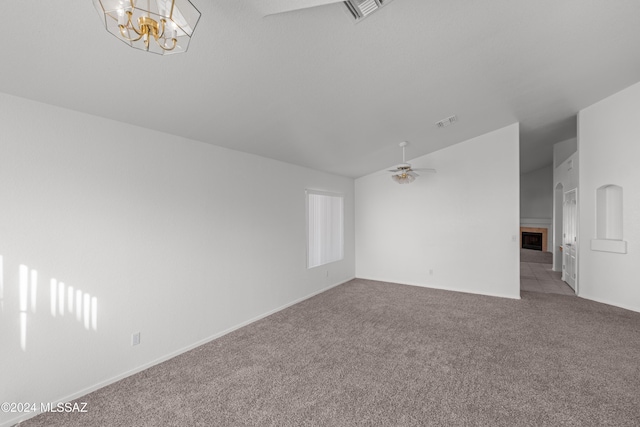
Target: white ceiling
[{"x": 313, "y": 88}]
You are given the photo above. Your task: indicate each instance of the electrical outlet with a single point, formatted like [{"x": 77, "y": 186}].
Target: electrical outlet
[
  {"x": 135, "y": 338},
  {"x": 430, "y": 272}
]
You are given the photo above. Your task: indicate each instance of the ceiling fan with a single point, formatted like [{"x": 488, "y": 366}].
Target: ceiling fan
[{"x": 404, "y": 173}]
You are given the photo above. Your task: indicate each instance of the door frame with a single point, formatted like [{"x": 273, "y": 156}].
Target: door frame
[
  {"x": 558, "y": 219},
  {"x": 576, "y": 244}
]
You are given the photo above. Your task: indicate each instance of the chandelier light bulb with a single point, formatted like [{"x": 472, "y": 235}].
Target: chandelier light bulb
[{"x": 121, "y": 19}]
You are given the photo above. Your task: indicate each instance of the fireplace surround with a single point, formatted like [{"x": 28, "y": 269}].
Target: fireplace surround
[{"x": 535, "y": 231}]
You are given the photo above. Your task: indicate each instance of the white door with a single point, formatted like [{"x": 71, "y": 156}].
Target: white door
[{"x": 570, "y": 238}]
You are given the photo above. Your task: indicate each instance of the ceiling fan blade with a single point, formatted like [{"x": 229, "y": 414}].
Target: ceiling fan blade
[
  {"x": 272, "y": 7},
  {"x": 424, "y": 170},
  {"x": 412, "y": 173}
]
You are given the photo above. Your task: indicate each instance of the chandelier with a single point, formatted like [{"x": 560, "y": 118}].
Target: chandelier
[{"x": 159, "y": 26}]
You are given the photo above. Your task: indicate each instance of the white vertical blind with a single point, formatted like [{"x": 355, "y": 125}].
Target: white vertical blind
[{"x": 325, "y": 219}]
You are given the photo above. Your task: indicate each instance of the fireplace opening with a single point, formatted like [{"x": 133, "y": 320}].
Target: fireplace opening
[{"x": 532, "y": 241}]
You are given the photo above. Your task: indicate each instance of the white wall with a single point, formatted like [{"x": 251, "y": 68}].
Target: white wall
[
  {"x": 563, "y": 149},
  {"x": 567, "y": 173},
  {"x": 608, "y": 151},
  {"x": 176, "y": 239},
  {"x": 460, "y": 224},
  {"x": 536, "y": 200},
  {"x": 536, "y": 194}
]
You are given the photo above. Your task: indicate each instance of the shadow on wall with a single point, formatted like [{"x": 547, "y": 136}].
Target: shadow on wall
[{"x": 64, "y": 300}]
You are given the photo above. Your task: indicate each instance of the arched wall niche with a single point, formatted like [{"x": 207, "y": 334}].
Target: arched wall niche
[{"x": 609, "y": 220}]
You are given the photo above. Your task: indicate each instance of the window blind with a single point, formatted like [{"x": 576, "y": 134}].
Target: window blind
[{"x": 325, "y": 220}]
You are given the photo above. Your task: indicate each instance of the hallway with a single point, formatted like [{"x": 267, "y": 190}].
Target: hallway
[{"x": 536, "y": 274}]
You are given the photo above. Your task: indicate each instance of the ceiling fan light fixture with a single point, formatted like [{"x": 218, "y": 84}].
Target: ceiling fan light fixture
[
  {"x": 403, "y": 178},
  {"x": 164, "y": 27},
  {"x": 405, "y": 175}
]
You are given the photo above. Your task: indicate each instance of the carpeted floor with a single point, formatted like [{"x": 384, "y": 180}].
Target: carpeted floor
[{"x": 381, "y": 354}]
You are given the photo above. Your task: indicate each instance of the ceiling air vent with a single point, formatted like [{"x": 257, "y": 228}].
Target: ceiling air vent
[
  {"x": 360, "y": 9},
  {"x": 446, "y": 122}
]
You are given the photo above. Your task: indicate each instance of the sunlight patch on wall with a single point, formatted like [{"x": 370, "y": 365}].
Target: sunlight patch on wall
[
  {"x": 94, "y": 313},
  {"x": 26, "y": 278},
  {"x": 63, "y": 299},
  {"x": 53, "y": 286},
  {"x": 67, "y": 300},
  {"x": 87, "y": 310},
  {"x": 61, "y": 295},
  {"x": 34, "y": 290},
  {"x": 23, "y": 331},
  {"x": 70, "y": 299},
  {"x": 78, "y": 305},
  {"x": 23, "y": 298},
  {"x": 24, "y": 287}
]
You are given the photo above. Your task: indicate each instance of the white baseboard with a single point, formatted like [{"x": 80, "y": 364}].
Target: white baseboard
[
  {"x": 446, "y": 288},
  {"x": 605, "y": 301},
  {"x": 166, "y": 357}
]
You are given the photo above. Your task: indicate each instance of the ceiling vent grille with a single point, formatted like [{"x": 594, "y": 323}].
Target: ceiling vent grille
[
  {"x": 446, "y": 122},
  {"x": 360, "y": 9}
]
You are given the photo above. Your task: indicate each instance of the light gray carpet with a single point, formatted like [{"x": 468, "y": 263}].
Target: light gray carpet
[
  {"x": 530, "y": 255},
  {"x": 380, "y": 354}
]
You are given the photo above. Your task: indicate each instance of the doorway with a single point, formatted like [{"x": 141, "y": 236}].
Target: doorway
[
  {"x": 570, "y": 238},
  {"x": 558, "y": 202}
]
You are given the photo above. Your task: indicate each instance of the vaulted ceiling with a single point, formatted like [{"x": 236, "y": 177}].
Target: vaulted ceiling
[{"x": 314, "y": 88}]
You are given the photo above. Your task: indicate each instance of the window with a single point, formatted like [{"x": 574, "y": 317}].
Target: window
[{"x": 325, "y": 228}]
